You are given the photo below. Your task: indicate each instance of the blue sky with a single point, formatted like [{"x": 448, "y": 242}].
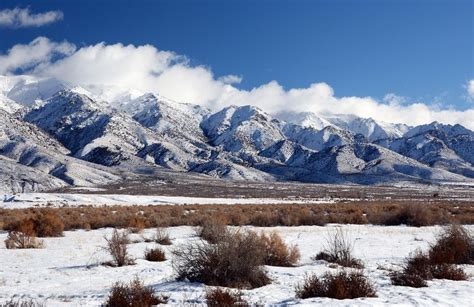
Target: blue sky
[{"x": 423, "y": 50}]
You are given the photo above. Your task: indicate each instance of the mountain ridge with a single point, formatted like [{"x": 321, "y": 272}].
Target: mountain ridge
[{"x": 235, "y": 143}]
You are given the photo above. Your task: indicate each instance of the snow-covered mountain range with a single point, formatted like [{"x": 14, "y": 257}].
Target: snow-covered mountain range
[{"x": 54, "y": 135}]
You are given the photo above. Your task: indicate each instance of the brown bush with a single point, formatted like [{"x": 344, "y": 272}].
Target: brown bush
[
  {"x": 23, "y": 237},
  {"x": 162, "y": 236},
  {"x": 418, "y": 268},
  {"x": 42, "y": 224},
  {"x": 453, "y": 245},
  {"x": 234, "y": 261},
  {"x": 136, "y": 224},
  {"x": 277, "y": 253},
  {"x": 415, "y": 271},
  {"x": 117, "y": 248},
  {"x": 410, "y": 214},
  {"x": 48, "y": 224},
  {"x": 448, "y": 271},
  {"x": 375, "y": 212},
  {"x": 212, "y": 230},
  {"x": 342, "y": 285},
  {"x": 339, "y": 250},
  {"x": 407, "y": 280},
  {"x": 134, "y": 294},
  {"x": 218, "y": 297},
  {"x": 155, "y": 254}
]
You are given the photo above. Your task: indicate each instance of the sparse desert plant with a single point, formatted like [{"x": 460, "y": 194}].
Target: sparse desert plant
[
  {"x": 277, "y": 253},
  {"x": 218, "y": 297},
  {"x": 155, "y": 254},
  {"x": 162, "y": 236},
  {"x": 23, "y": 237},
  {"x": 453, "y": 245},
  {"x": 234, "y": 261},
  {"x": 339, "y": 249},
  {"x": 134, "y": 294},
  {"x": 117, "y": 248},
  {"x": 212, "y": 230},
  {"x": 341, "y": 285}
]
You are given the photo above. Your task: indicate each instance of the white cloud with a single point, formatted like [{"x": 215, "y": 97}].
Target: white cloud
[
  {"x": 231, "y": 79},
  {"x": 148, "y": 69},
  {"x": 21, "y": 18},
  {"x": 36, "y": 54},
  {"x": 470, "y": 89}
]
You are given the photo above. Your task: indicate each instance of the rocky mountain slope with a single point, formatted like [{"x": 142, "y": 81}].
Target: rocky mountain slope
[{"x": 50, "y": 139}]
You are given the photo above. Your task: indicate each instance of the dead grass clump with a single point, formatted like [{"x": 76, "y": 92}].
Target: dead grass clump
[
  {"x": 218, "y": 297},
  {"x": 453, "y": 245},
  {"x": 155, "y": 254},
  {"x": 162, "y": 236},
  {"x": 212, "y": 230},
  {"x": 339, "y": 249},
  {"x": 117, "y": 248},
  {"x": 277, "y": 253},
  {"x": 134, "y": 294},
  {"x": 23, "y": 237},
  {"x": 234, "y": 261},
  {"x": 342, "y": 285}
]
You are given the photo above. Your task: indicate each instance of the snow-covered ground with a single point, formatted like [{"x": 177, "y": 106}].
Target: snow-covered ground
[
  {"x": 67, "y": 270},
  {"x": 27, "y": 200}
]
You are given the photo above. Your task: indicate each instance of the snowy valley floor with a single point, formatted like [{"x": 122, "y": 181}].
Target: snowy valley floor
[{"x": 67, "y": 271}]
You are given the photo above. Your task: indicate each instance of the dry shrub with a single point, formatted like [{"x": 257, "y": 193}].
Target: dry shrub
[
  {"x": 48, "y": 224},
  {"x": 453, "y": 245},
  {"x": 277, "y": 253},
  {"x": 22, "y": 303},
  {"x": 23, "y": 237},
  {"x": 339, "y": 250},
  {"x": 162, "y": 236},
  {"x": 409, "y": 214},
  {"x": 136, "y": 224},
  {"x": 42, "y": 224},
  {"x": 117, "y": 248},
  {"x": 389, "y": 212},
  {"x": 418, "y": 268},
  {"x": 212, "y": 230},
  {"x": 134, "y": 294},
  {"x": 155, "y": 254},
  {"x": 342, "y": 285},
  {"x": 234, "y": 261},
  {"x": 218, "y": 297},
  {"x": 415, "y": 271},
  {"x": 448, "y": 271},
  {"x": 407, "y": 280}
]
